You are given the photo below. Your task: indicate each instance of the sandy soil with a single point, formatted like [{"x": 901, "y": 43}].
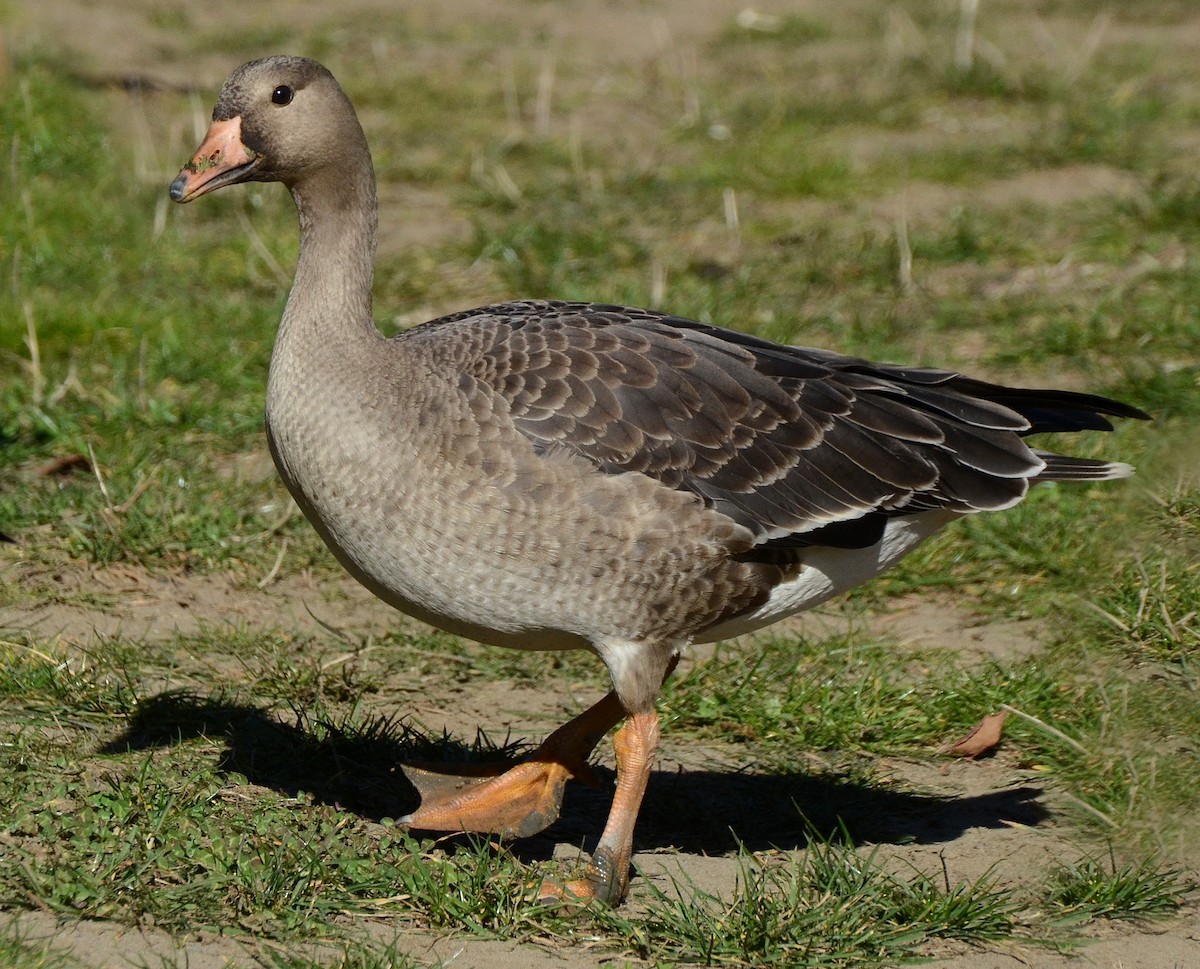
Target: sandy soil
[{"x": 977, "y": 815}]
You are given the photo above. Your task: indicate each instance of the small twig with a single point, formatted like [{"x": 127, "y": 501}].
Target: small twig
[
  {"x": 356, "y": 649},
  {"x": 267, "y": 579},
  {"x": 964, "y": 40},
  {"x": 139, "y": 489},
  {"x": 730, "y": 207},
  {"x": 575, "y": 149},
  {"x": 338, "y": 660},
  {"x": 1095, "y": 811},
  {"x": 1086, "y": 51},
  {"x": 658, "y": 283},
  {"x": 100, "y": 479},
  {"x": 329, "y": 627},
  {"x": 36, "y": 378},
  {"x": 903, "y": 39},
  {"x": 283, "y": 520},
  {"x": 36, "y": 652},
  {"x": 1124, "y": 627},
  {"x": 70, "y": 383},
  {"x": 159, "y": 225},
  {"x": 1053, "y": 731},
  {"x": 495, "y": 179},
  {"x": 904, "y": 270}
]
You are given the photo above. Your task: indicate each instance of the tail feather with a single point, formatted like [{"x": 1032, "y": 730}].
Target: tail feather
[{"x": 1060, "y": 467}]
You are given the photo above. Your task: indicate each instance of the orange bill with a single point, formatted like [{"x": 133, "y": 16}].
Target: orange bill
[{"x": 221, "y": 159}]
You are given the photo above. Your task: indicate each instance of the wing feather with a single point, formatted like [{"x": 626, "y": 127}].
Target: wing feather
[{"x": 801, "y": 446}]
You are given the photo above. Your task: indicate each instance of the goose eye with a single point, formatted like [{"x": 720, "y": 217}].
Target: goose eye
[{"x": 282, "y": 95}]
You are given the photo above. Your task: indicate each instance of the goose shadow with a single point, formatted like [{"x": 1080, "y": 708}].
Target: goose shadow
[{"x": 360, "y": 769}]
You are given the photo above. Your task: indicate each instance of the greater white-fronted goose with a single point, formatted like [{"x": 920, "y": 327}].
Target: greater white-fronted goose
[{"x": 552, "y": 475}]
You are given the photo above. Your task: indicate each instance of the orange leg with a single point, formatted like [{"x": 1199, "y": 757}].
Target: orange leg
[
  {"x": 523, "y": 799},
  {"x": 607, "y": 875}
]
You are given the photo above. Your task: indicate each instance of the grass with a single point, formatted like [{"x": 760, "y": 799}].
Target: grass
[
  {"x": 218, "y": 814},
  {"x": 240, "y": 778},
  {"x": 834, "y": 907},
  {"x": 1090, "y": 890},
  {"x": 845, "y": 694},
  {"x": 19, "y": 953}
]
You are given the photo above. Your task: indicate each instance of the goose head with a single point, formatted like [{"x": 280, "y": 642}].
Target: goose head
[{"x": 279, "y": 119}]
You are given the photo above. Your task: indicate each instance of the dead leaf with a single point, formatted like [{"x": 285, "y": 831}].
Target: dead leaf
[{"x": 983, "y": 738}]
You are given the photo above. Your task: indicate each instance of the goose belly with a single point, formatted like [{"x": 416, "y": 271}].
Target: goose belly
[
  {"x": 423, "y": 550},
  {"x": 555, "y": 556}
]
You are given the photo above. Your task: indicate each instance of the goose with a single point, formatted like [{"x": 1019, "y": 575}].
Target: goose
[{"x": 550, "y": 475}]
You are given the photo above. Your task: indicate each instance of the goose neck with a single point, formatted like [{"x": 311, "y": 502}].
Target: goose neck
[{"x": 335, "y": 266}]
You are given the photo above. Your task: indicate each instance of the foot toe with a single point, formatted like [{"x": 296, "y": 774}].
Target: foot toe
[{"x": 601, "y": 882}]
